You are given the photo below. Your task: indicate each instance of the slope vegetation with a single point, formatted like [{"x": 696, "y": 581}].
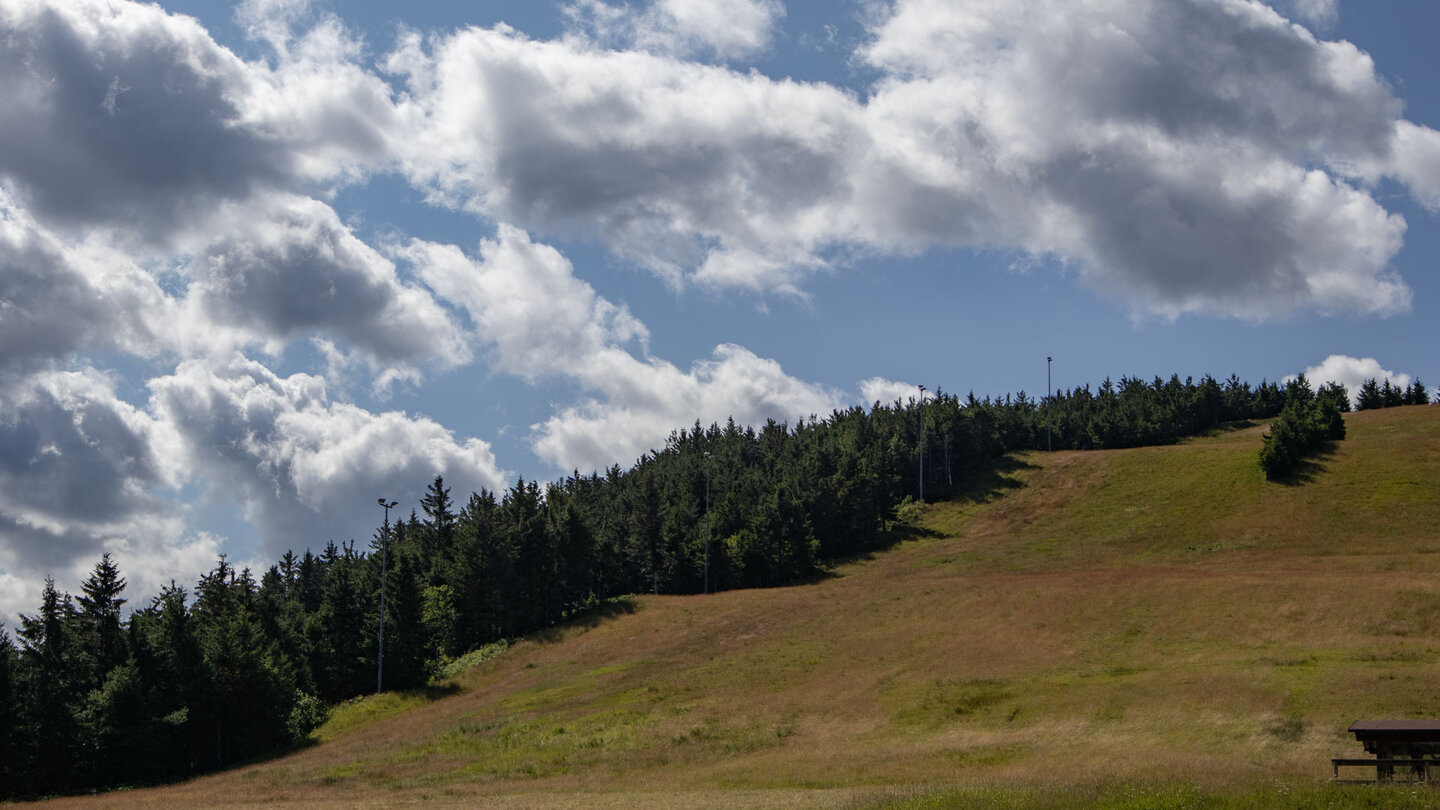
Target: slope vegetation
[{"x": 1086, "y": 625}]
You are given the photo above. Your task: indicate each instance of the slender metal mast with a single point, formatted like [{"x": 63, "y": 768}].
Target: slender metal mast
[
  {"x": 922, "y": 444},
  {"x": 707, "y": 522},
  {"x": 384, "y": 547}
]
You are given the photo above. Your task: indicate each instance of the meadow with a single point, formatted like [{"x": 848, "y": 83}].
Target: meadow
[{"x": 1157, "y": 627}]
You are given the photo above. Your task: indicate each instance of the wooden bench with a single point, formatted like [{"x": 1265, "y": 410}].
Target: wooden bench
[{"x": 1385, "y": 768}]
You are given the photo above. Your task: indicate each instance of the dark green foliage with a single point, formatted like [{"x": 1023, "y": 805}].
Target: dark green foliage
[
  {"x": 1415, "y": 394},
  {"x": 345, "y": 632},
  {"x": 1391, "y": 396},
  {"x": 172, "y": 665},
  {"x": 248, "y": 668},
  {"x": 438, "y": 531},
  {"x": 1336, "y": 393},
  {"x": 49, "y": 695},
  {"x": 438, "y": 619},
  {"x": 406, "y": 641},
  {"x": 100, "y": 604},
  {"x": 1369, "y": 397},
  {"x": 1385, "y": 395},
  {"x": 249, "y": 689},
  {"x": 9, "y": 744},
  {"x": 114, "y": 721},
  {"x": 1305, "y": 426}
]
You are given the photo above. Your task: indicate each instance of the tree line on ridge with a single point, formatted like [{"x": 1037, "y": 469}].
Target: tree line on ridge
[{"x": 237, "y": 667}]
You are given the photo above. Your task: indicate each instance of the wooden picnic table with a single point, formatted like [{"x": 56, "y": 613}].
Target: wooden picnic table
[{"x": 1413, "y": 744}]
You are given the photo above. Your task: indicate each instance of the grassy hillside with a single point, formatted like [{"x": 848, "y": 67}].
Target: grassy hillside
[{"x": 1152, "y": 627}]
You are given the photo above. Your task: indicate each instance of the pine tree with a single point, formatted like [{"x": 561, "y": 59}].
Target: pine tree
[
  {"x": 1278, "y": 449},
  {"x": 531, "y": 584},
  {"x": 343, "y": 667},
  {"x": 1336, "y": 393},
  {"x": 1418, "y": 394},
  {"x": 310, "y": 580},
  {"x": 474, "y": 573},
  {"x": 289, "y": 569},
  {"x": 1391, "y": 395},
  {"x": 249, "y": 689},
  {"x": 439, "y": 522},
  {"x": 1370, "y": 396},
  {"x": 115, "y": 722},
  {"x": 100, "y": 605},
  {"x": 646, "y": 547},
  {"x": 171, "y": 661},
  {"x": 405, "y": 640},
  {"x": 50, "y": 696},
  {"x": 8, "y": 716},
  {"x": 1330, "y": 423}
]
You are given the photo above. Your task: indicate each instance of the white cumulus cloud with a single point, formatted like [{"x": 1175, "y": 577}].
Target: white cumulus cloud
[
  {"x": 1352, "y": 372},
  {"x": 304, "y": 468},
  {"x": 84, "y": 472},
  {"x": 292, "y": 270},
  {"x": 1200, "y": 156},
  {"x": 887, "y": 392},
  {"x": 540, "y": 321}
]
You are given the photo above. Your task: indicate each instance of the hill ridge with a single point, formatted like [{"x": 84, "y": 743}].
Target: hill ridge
[{"x": 1213, "y": 626}]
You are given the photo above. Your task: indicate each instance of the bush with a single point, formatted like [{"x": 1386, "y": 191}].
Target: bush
[
  {"x": 909, "y": 512},
  {"x": 1300, "y": 430},
  {"x": 306, "y": 715}
]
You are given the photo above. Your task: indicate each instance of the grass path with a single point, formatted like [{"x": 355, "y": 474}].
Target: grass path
[{"x": 1156, "y": 626}]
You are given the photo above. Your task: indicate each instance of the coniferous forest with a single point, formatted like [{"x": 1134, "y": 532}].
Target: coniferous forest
[{"x": 237, "y": 666}]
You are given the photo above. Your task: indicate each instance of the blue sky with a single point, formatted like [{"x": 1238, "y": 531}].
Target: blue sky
[{"x": 262, "y": 263}]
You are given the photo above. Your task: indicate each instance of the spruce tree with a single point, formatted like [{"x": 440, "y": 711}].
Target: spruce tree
[
  {"x": 100, "y": 605},
  {"x": 175, "y": 667},
  {"x": 439, "y": 523},
  {"x": 1336, "y": 393},
  {"x": 1370, "y": 396},
  {"x": 1391, "y": 395},
  {"x": 8, "y": 712},
  {"x": 347, "y": 641},
  {"x": 50, "y": 696},
  {"x": 1418, "y": 394}
]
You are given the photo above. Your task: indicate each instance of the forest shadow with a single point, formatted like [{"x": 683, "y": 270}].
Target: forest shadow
[
  {"x": 994, "y": 482},
  {"x": 432, "y": 692},
  {"x": 1227, "y": 427},
  {"x": 980, "y": 487},
  {"x": 586, "y": 619}
]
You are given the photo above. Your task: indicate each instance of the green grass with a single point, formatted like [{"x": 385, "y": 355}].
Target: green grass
[
  {"x": 1157, "y": 627},
  {"x": 1173, "y": 796},
  {"x": 371, "y": 709}
]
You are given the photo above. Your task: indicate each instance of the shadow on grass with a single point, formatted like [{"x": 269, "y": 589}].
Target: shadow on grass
[
  {"x": 587, "y": 619},
  {"x": 978, "y": 487},
  {"x": 433, "y": 691},
  {"x": 994, "y": 482},
  {"x": 1227, "y": 427},
  {"x": 1308, "y": 469}
]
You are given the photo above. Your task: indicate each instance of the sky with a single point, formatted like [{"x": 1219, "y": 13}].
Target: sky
[{"x": 264, "y": 263}]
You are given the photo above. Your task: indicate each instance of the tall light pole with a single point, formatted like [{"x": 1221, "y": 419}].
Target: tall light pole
[
  {"x": 384, "y": 546},
  {"x": 1048, "y": 360},
  {"x": 922, "y": 444},
  {"x": 707, "y": 522}
]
